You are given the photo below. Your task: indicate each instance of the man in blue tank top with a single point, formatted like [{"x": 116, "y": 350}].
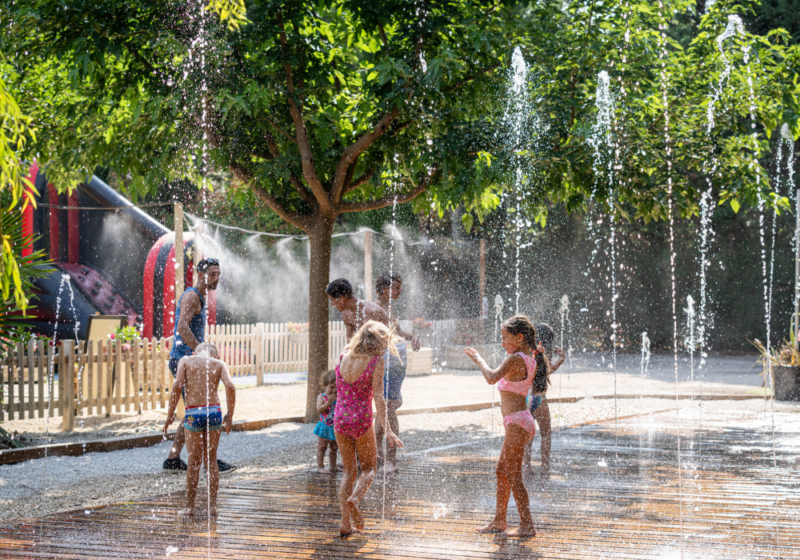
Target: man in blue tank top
[{"x": 190, "y": 331}]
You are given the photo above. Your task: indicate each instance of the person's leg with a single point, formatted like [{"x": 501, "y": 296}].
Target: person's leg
[
  {"x": 348, "y": 449},
  {"x": 212, "y": 469},
  {"x": 542, "y": 416},
  {"x": 179, "y": 440},
  {"x": 514, "y": 444},
  {"x": 177, "y": 443},
  {"x": 194, "y": 444},
  {"x": 526, "y": 458},
  {"x": 391, "y": 452},
  {"x": 499, "y": 523},
  {"x": 367, "y": 452},
  {"x": 379, "y": 440},
  {"x": 322, "y": 445},
  {"x": 332, "y": 455}
]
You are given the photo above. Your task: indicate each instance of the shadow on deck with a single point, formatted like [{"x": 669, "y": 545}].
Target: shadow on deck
[{"x": 733, "y": 502}]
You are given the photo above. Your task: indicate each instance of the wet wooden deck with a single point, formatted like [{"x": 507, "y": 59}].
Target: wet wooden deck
[{"x": 734, "y": 504}]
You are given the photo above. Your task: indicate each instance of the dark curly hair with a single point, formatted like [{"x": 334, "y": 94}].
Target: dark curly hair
[
  {"x": 339, "y": 287},
  {"x": 386, "y": 280},
  {"x": 519, "y": 324}
]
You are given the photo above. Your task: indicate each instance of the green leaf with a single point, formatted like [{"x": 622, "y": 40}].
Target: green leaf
[{"x": 735, "y": 205}]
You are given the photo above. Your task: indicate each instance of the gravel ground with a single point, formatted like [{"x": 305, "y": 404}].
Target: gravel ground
[
  {"x": 28, "y": 490},
  {"x": 450, "y": 387}
]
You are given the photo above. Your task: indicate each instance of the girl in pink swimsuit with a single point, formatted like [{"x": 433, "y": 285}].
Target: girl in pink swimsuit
[
  {"x": 524, "y": 366},
  {"x": 359, "y": 378}
]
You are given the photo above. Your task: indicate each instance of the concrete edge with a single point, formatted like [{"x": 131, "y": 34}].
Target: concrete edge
[{"x": 77, "y": 449}]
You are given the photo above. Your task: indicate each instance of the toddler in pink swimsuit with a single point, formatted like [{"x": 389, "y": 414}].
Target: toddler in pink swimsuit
[
  {"x": 524, "y": 366},
  {"x": 359, "y": 379}
]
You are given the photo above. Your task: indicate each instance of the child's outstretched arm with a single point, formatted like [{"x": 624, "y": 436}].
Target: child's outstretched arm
[
  {"x": 230, "y": 397},
  {"x": 492, "y": 376},
  {"x": 323, "y": 403},
  {"x": 380, "y": 404},
  {"x": 555, "y": 364},
  {"x": 174, "y": 394}
]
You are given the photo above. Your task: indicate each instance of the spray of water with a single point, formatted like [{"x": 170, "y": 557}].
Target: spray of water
[
  {"x": 733, "y": 29},
  {"x": 664, "y": 83}
]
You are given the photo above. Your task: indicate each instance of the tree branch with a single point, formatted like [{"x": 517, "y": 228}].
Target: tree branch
[
  {"x": 279, "y": 129},
  {"x": 383, "y": 37},
  {"x": 304, "y": 146},
  {"x": 353, "y": 185},
  {"x": 473, "y": 77},
  {"x": 245, "y": 176},
  {"x": 389, "y": 200},
  {"x": 355, "y": 149},
  {"x": 296, "y": 183},
  {"x": 351, "y": 169}
]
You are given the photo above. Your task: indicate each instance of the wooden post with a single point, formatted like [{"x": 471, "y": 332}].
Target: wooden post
[
  {"x": 66, "y": 380},
  {"x": 179, "y": 274},
  {"x": 259, "y": 342},
  {"x": 198, "y": 246},
  {"x": 482, "y": 280},
  {"x": 368, "y": 265}
]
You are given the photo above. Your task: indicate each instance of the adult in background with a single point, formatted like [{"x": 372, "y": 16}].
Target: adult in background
[
  {"x": 189, "y": 333},
  {"x": 388, "y": 287},
  {"x": 355, "y": 312}
]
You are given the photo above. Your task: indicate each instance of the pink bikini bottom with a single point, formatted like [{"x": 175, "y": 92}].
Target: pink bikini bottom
[{"x": 522, "y": 418}]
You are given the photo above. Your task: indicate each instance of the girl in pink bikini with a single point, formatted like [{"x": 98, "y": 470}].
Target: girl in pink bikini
[
  {"x": 359, "y": 378},
  {"x": 525, "y": 365}
]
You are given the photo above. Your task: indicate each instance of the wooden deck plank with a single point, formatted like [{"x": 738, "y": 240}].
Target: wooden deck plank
[{"x": 629, "y": 509}]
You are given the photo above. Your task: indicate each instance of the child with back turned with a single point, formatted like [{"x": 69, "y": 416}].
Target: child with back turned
[
  {"x": 198, "y": 378},
  {"x": 326, "y": 404}
]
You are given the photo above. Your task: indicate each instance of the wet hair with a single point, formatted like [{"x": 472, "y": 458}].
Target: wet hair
[
  {"x": 547, "y": 337},
  {"x": 339, "y": 287},
  {"x": 386, "y": 280},
  {"x": 373, "y": 339},
  {"x": 203, "y": 265},
  {"x": 327, "y": 378},
  {"x": 519, "y": 324},
  {"x": 207, "y": 347}
]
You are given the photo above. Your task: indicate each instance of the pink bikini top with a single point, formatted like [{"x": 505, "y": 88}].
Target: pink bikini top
[{"x": 520, "y": 387}]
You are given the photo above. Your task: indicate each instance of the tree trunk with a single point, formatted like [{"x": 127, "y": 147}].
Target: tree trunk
[{"x": 319, "y": 237}]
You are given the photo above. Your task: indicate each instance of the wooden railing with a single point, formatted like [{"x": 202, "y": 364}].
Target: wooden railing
[{"x": 101, "y": 377}]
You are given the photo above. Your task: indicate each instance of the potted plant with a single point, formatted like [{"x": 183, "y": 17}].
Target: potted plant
[
  {"x": 298, "y": 333},
  {"x": 785, "y": 363}
]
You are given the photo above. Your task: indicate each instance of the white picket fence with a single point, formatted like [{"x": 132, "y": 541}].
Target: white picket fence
[
  {"x": 269, "y": 347},
  {"x": 109, "y": 376}
]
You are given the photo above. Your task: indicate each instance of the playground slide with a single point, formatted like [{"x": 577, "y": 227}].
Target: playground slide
[{"x": 118, "y": 261}]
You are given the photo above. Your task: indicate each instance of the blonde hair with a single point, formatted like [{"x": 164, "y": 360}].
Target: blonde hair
[
  {"x": 372, "y": 339},
  {"x": 207, "y": 347}
]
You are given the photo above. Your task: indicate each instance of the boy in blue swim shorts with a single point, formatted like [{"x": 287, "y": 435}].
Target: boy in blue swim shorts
[
  {"x": 199, "y": 377},
  {"x": 388, "y": 287}
]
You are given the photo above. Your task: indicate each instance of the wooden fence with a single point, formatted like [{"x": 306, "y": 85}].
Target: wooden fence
[{"x": 109, "y": 376}]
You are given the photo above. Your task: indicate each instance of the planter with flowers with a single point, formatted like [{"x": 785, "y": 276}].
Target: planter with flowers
[{"x": 298, "y": 333}]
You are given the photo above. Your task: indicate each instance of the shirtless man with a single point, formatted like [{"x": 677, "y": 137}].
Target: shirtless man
[
  {"x": 355, "y": 312},
  {"x": 200, "y": 376},
  {"x": 389, "y": 287}
]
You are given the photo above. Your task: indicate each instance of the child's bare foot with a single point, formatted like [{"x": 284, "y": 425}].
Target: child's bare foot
[
  {"x": 188, "y": 511},
  {"x": 345, "y": 529},
  {"x": 527, "y": 470},
  {"x": 323, "y": 471},
  {"x": 526, "y": 530},
  {"x": 494, "y": 527},
  {"x": 334, "y": 469},
  {"x": 212, "y": 512},
  {"x": 355, "y": 514}
]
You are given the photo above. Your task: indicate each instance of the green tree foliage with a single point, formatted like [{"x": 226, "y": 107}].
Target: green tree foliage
[{"x": 662, "y": 92}]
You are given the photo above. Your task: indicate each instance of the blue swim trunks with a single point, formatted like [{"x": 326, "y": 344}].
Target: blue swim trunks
[
  {"x": 395, "y": 372},
  {"x": 202, "y": 418}
]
